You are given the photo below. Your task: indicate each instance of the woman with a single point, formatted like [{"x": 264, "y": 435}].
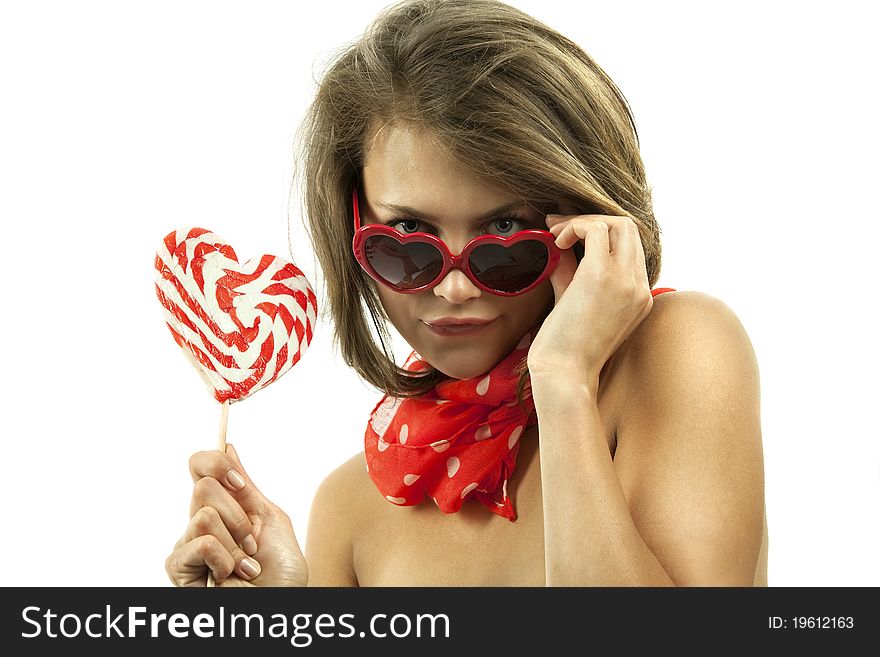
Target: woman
[{"x": 559, "y": 422}]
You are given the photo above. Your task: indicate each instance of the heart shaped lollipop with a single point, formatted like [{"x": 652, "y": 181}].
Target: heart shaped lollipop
[{"x": 241, "y": 326}]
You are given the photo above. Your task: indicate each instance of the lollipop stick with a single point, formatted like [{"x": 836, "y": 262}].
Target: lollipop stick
[
  {"x": 224, "y": 416},
  {"x": 221, "y": 445}
]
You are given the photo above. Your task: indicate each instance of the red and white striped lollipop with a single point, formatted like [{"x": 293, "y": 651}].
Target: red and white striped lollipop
[{"x": 241, "y": 326}]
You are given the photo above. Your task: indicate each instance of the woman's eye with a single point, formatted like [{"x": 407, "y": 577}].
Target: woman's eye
[
  {"x": 406, "y": 226},
  {"x": 509, "y": 225}
]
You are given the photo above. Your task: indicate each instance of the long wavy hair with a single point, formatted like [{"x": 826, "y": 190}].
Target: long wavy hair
[{"x": 515, "y": 102}]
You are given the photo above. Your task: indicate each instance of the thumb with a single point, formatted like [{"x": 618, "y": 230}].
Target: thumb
[
  {"x": 249, "y": 496},
  {"x": 562, "y": 276}
]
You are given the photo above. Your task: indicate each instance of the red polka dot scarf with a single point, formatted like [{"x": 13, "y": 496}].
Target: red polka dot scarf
[{"x": 456, "y": 441}]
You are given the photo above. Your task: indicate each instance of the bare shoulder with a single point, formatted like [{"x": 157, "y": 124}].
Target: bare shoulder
[
  {"x": 346, "y": 480},
  {"x": 688, "y": 313},
  {"x": 337, "y": 509},
  {"x": 688, "y": 334},
  {"x": 344, "y": 492}
]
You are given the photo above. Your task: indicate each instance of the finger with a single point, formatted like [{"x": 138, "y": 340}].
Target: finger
[
  {"x": 597, "y": 240},
  {"x": 188, "y": 565},
  {"x": 628, "y": 250},
  {"x": 554, "y": 219},
  {"x": 213, "y": 543},
  {"x": 226, "y": 468},
  {"x": 562, "y": 276},
  {"x": 233, "y": 454},
  {"x": 208, "y": 493},
  {"x": 219, "y": 465},
  {"x": 626, "y": 239},
  {"x": 581, "y": 228},
  {"x": 219, "y": 550}
]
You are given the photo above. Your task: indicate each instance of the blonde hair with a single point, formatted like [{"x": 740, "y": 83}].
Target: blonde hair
[{"x": 516, "y": 103}]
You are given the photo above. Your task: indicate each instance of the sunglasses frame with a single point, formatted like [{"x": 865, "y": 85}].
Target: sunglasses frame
[{"x": 450, "y": 260}]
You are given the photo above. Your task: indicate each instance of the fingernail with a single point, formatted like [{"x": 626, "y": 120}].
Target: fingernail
[
  {"x": 235, "y": 479},
  {"x": 250, "y": 567},
  {"x": 249, "y": 544}
]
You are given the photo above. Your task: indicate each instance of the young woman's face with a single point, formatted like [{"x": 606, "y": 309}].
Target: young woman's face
[{"x": 406, "y": 168}]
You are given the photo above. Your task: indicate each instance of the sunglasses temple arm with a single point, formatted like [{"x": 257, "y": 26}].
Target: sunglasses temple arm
[{"x": 355, "y": 209}]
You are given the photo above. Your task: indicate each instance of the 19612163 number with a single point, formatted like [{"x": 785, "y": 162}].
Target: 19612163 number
[{"x": 810, "y": 622}]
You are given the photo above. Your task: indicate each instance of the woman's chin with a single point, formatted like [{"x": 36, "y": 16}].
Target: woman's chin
[
  {"x": 459, "y": 375},
  {"x": 463, "y": 370}
]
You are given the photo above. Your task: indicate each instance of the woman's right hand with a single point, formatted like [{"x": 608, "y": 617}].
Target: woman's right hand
[{"x": 242, "y": 537}]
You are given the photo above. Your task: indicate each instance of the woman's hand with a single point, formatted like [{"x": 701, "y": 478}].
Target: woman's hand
[
  {"x": 234, "y": 531},
  {"x": 598, "y": 302}
]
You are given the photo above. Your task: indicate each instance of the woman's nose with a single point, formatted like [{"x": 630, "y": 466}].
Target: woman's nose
[{"x": 456, "y": 287}]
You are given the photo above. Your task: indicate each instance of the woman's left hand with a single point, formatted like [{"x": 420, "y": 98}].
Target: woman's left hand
[{"x": 598, "y": 302}]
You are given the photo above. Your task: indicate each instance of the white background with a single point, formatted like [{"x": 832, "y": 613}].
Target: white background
[{"x": 124, "y": 120}]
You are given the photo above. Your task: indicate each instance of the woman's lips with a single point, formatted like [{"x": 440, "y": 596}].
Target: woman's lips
[{"x": 450, "y": 330}]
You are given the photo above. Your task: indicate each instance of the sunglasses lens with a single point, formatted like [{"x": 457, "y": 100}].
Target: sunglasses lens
[
  {"x": 509, "y": 269},
  {"x": 404, "y": 266}
]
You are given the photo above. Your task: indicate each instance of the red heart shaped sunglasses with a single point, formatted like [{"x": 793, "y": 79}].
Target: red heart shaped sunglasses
[{"x": 415, "y": 262}]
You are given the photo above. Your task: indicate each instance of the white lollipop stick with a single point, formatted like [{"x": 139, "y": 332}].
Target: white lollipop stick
[{"x": 221, "y": 445}]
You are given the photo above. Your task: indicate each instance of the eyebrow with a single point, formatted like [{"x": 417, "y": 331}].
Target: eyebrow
[{"x": 415, "y": 214}]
